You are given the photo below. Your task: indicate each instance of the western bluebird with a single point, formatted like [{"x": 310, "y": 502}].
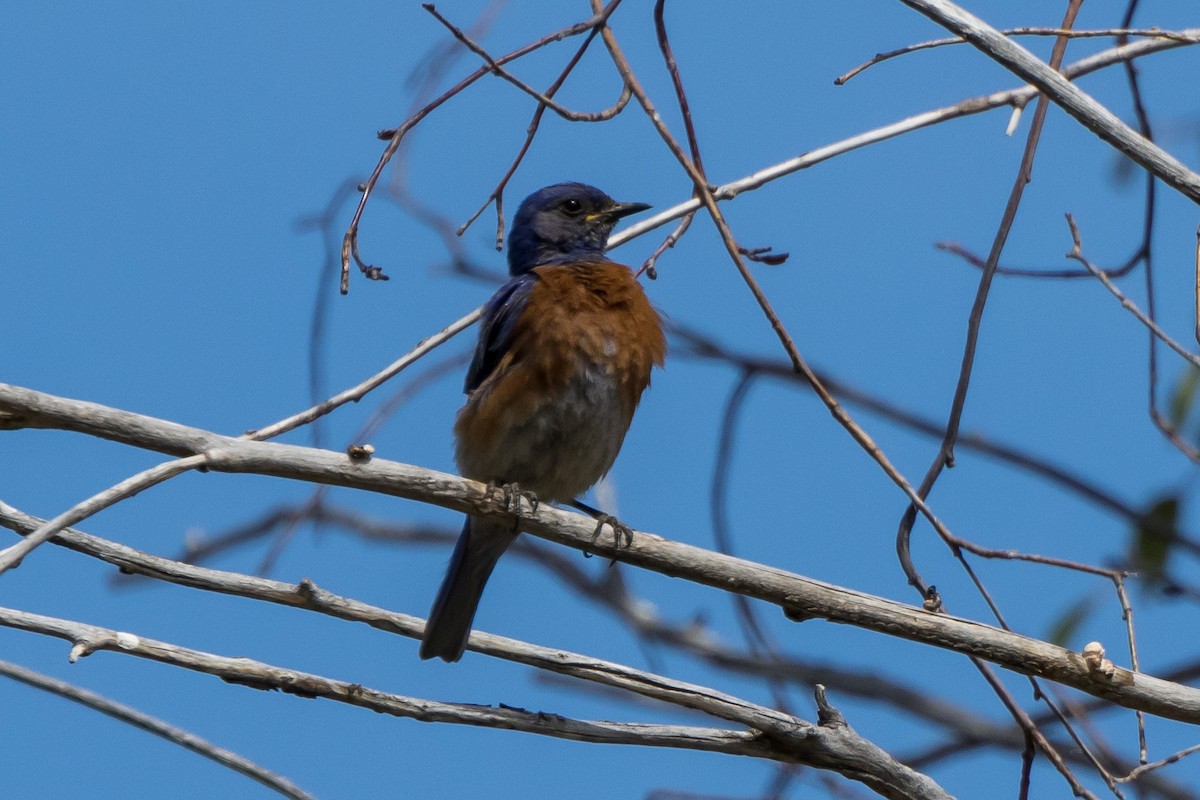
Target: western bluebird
[{"x": 565, "y": 351}]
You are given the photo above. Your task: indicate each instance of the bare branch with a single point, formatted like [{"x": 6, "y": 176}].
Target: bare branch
[
  {"x": 970, "y": 730},
  {"x": 88, "y": 639},
  {"x": 11, "y": 556},
  {"x": 975, "y": 105},
  {"x": 544, "y": 100},
  {"x": 1024, "y": 31},
  {"x": 396, "y": 136},
  {"x": 1058, "y": 88},
  {"x": 800, "y": 597},
  {"x": 150, "y": 724},
  {"x": 831, "y": 744},
  {"x": 1076, "y": 254}
]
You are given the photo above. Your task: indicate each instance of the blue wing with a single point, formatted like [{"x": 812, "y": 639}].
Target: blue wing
[{"x": 496, "y": 327}]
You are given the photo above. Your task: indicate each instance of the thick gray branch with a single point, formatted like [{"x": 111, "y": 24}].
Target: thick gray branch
[
  {"x": 832, "y": 744},
  {"x": 801, "y": 597},
  {"x": 825, "y": 746},
  {"x": 1105, "y": 124},
  {"x": 87, "y": 639}
]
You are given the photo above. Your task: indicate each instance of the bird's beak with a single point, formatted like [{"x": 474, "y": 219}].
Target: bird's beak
[{"x": 619, "y": 210}]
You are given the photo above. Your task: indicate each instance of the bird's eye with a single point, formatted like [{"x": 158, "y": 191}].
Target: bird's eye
[{"x": 572, "y": 206}]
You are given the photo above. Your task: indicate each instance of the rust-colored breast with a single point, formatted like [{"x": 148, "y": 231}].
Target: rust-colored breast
[{"x": 597, "y": 311}]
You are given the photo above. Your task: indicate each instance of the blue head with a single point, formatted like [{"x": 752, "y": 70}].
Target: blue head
[{"x": 561, "y": 223}]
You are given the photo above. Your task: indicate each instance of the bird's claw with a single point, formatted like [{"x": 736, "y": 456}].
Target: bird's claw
[
  {"x": 511, "y": 495},
  {"x": 622, "y": 533}
]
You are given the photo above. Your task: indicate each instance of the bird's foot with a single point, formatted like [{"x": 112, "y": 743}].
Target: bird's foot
[
  {"x": 511, "y": 496},
  {"x": 622, "y": 533}
]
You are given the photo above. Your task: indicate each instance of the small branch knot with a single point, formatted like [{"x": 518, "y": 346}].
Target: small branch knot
[
  {"x": 933, "y": 600},
  {"x": 1097, "y": 664},
  {"x": 827, "y": 715},
  {"x": 307, "y": 589},
  {"x": 81, "y": 649},
  {"x": 360, "y": 452}
]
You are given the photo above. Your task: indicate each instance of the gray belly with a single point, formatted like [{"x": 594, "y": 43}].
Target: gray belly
[{"x": 562, "y": 447}]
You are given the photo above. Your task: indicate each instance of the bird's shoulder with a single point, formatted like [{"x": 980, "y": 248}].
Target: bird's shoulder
[{"x": 498, "y": 326}]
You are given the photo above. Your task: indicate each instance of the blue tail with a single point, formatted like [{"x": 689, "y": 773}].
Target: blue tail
[{"x": 479, "y": 547}]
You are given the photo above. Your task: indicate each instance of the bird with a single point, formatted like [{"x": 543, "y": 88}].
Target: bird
[{"x": 565, "y": 351}]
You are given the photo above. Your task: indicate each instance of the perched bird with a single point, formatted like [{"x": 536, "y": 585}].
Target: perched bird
[{"x": 565, "y": 351}]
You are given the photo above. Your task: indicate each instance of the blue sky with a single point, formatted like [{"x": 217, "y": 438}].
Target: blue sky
[{"x": 157, "y": 161}]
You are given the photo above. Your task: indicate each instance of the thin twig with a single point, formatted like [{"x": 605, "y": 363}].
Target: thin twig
[
  {"x": 1065, "y": 94},
  {"x": 752, "y": 629},
  {"x": 360, "y": 390},
  {"x": 945, "y": 455},
  {"x": 363, "y": 435},
  {"x": 664, "y": 45},
  {"x": 1197, "y": 273},
  {"x": 696, "y": 344},
  {"x": 544, "y": 100},
  {"x": 497, "y": 194},
  {"x": 11, "y": 556},
  {"x": 649, "y": 266},
  {"x": 1167, "y": 430},
  {"x": 754, "y": 632},
  {"x": 1171, "y": 759},
  {"x": 1131, "y": 638},
  {"x": 709, "y": 201},
  {"x": 1076, "y": 254},
  {"x": 1143, "y": 122},
  {"x": 955, "y": 248},
  {"x": 971, "y": 106},
  {"x": 1155, "y": 33},
  {"x": 323, "y": 222},
  {"x": 396, "y": 136},
  {"x": 156, "y": 726}
]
